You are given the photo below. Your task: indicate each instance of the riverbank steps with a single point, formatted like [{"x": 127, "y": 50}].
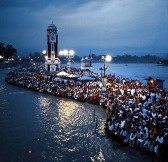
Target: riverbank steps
[{"x": 137, "y": 114}]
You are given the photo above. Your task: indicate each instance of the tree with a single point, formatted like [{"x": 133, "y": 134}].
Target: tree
[
  {"x": 10, "y": 51},
  {"x": 2, "y": 49}
]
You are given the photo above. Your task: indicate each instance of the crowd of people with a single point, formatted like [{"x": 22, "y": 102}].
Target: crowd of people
[{"x": 137, "y": 113}]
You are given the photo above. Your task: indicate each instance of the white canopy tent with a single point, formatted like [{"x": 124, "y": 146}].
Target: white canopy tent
[{"x": 62, "y": 73}]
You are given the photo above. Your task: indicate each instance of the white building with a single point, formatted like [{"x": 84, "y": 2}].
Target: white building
[{"x": 86, "y": 65}]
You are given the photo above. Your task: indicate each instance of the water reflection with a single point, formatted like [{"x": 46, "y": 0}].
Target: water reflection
[
  {"x": 69, "y": 127},
  {"x": 70, "y": 133},
  {"x": 68, "y": 112}
]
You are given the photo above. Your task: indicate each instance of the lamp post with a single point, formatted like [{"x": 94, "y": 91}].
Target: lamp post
[
  {"x": 44, "y": 52},
  {"x": 101, "y": 71},
  {"x": 69, "y": 55},
  {"x": 106, "y": 58}
]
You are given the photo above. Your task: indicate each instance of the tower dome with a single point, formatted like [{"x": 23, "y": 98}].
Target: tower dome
[{"x": 52, "y": 27}]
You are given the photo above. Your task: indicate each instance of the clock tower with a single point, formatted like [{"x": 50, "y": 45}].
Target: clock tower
[{"x": 52, "y": 62}]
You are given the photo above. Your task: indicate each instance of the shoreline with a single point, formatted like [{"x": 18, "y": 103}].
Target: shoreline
[{"x": 110, "y": 99}]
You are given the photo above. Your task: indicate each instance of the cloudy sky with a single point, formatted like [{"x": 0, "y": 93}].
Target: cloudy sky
[{"x": 100, "y": 26}]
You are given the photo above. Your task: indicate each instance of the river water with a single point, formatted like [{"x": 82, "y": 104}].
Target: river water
[
  {"x": 36, "y": 127},
  {"x": 134, "y": 71}
]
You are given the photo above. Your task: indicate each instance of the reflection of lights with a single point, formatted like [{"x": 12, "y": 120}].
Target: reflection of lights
[
  {"x": 101, "y": 156},
  {"x": 44, "y": 105},
  {"x": 68, "y": 113},
  {"x": 29, "y": 151},
  {"x": 44, "y": 101}
]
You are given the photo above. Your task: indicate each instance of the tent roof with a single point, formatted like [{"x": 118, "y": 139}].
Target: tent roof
[
  {"x": 62, "y": 73},
  {"x": 85, "y": 78}
]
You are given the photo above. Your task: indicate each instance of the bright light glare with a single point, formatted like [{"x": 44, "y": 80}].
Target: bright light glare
[
  {"x": 152, "y": 81},
  {"x": 1, "y": 57},
  {"x": 46, "y": 57},
  {"x": 61, "y": 53},
  {"x": 71, "y": 52},
  {"x": 108, "y": 58},
  {"x": 65, "y": 52},
  {"x": 44, "y": 52}
]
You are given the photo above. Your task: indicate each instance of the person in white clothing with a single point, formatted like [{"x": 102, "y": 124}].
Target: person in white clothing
[
  {"x": 160, "y": 139},
  {"x": 132, "y": 138}
]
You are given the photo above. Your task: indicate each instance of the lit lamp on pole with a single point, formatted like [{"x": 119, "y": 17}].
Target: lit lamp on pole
[
  {"x": 44, "y": 52},
  {"x": 69, "y": 55},
  {"x": 106, "y": 58}
]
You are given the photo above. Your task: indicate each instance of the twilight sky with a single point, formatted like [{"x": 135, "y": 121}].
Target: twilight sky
[{"x": 102, "y": 26}]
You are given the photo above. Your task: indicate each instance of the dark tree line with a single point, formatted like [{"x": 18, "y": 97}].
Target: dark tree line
[
  {"x": 165, "y": 62},
  {"x": 126, "y": 58},
  {"x": 7, "y": 51}
]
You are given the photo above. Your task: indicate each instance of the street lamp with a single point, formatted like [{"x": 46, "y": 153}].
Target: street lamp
[
  {"x": 69, "y": 55},
  {"x": 44, "y": 52},
  {"x": 106, "y": 58}
]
